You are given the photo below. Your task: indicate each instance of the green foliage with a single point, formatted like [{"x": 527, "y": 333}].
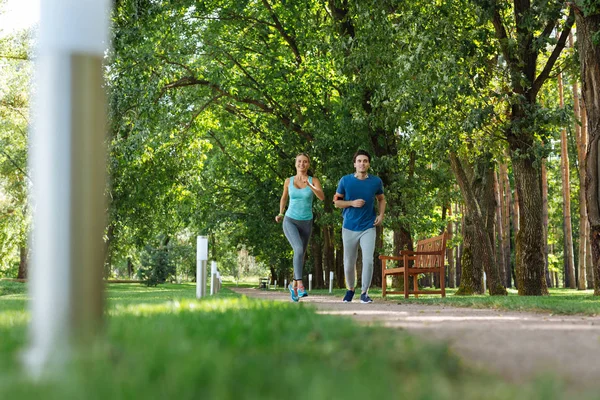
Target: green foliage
[
  {"x": 15, "y": 75},
  {"x": 157, "y": 265}
]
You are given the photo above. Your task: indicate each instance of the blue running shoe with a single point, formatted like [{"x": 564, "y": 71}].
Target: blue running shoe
[
  {"x": 349, "y": 295},
  {"x": 364, "y": 298},
  {"x": 293, "y": 293},
  {"x": 302, "y": 293}
]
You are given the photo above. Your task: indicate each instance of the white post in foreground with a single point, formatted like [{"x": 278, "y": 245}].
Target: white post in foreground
[
  {"x": 330, "y": 281},
  {"x": 213, "y": 278},
  {"x": 68, "y": 164},
  {"x": 285, "y": 283},
  {"x": 309, "y": 282},
  {"x": 201, "y": 260}
]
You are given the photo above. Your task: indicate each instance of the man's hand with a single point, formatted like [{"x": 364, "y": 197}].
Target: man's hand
[
  {"x": 358, "y": 203},
  {"x": 378, "y": 220}
]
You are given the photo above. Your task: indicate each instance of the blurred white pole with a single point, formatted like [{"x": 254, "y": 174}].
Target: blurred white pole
[
  {"x": 285, "y": 283},
  {"x": 68, "y": 164},
  {"x": 201, "y": 260},
  {"x": 275, "y": 285},
  {"x": 309, "y": 282},
  {"x": 330, "y": 281},
  {"x": 213, "y": 278}
]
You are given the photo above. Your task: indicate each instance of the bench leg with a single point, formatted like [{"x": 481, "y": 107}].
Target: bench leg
[
  {"x": 416, "y": 286},
  {"x": 443, "y": 281},
  {"x": 406, "y": 278},
  {"x": 383, "y": 280}
]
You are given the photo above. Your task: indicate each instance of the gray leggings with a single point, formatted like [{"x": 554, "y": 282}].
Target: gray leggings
[
  {"x": 297, "y": 233},
  {"x": 366, "y": 240}
]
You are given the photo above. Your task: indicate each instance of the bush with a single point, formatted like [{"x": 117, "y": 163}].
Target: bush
[{"x": 157, "y": 265}]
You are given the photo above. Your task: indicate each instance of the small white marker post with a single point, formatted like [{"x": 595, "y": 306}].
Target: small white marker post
[
  {"x": 275, "y": 285},
  {"x": 330, "y": 281},
  {"x": 213, "y": 278},
  {"x": 285, "y": 283},
  {"x": 309, "y": 282},
  {"x": 201, "y": 260}
]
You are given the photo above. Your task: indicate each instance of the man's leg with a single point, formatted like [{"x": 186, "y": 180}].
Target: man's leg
[
  {"x": 351, "y": 241},
  {"x": 367, "y": 245}
]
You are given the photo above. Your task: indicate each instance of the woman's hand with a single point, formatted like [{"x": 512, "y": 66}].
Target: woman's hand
[{"x": 279, "y": 218}]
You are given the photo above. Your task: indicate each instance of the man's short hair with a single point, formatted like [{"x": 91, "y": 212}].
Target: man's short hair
[{"x": 361, "y": 153}]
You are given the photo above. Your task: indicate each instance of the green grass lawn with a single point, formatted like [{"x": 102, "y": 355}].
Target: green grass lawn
[{"x": 161, "y": 343}]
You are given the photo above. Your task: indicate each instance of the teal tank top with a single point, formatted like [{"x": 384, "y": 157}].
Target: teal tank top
[{"x": 300, "y": 207}]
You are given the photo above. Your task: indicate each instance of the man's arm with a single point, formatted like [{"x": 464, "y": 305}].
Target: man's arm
[
  {"x": 340, "y": 203},
  {"x": 381, "y": 203}
]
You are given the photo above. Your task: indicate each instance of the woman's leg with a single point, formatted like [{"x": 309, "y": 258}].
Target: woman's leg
[{"x": 292, "y": 231}]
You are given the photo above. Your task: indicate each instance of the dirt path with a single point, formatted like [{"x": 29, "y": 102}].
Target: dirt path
[{"x": 517, "y": 345}]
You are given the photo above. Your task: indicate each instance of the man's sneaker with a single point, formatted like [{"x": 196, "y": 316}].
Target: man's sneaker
[
  {"x": 364, "y": 298},
  {"x": 293, "y": 292},
  {"x": 302, "y": 293},
  {"x": 349, "y": 295}
]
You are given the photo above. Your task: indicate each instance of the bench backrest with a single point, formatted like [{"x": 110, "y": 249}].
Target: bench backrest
[{"x": 437, "y": 244}]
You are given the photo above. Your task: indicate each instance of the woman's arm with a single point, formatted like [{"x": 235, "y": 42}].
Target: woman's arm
[
  {"x": 317, "y": 189},
  {"x": 283, "y": 200}
]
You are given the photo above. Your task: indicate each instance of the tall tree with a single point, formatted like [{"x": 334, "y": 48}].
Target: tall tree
[
  {"x": 523, "y": 29},
  {"x": 581, "y": 141},
  {"x": 588, "y": 26},
  {"x": 569, "y": 261}
]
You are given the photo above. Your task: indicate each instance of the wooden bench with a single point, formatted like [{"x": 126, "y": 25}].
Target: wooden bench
[
  {"x": 429, "y": 257},
  {"x": 263, "y": 283}
]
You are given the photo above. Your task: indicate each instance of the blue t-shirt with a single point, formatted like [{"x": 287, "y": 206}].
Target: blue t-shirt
[
  {"x": 361, "y": 218},
  {"x": 301, "y": 200}
]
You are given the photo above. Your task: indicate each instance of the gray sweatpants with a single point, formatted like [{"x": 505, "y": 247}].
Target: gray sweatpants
[
  {"x": 366, "y": 240},
  {"x": 297, "y": 233}
]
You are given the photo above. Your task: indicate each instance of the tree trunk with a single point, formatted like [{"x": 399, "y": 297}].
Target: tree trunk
[
  {"x": 376, "y": 281},
  {"x": 530, "y": 261},
  {"x": 451, "y": 277},
  {"x": 317, "y": 253},
  {"x": 460, "y": 248},
  {"x": 505, "y": 201},
  {"x": 340, "y": 279},
  {"x": 545, "y": 218},
  {"x": 471, "y": 279},
  {"x": 566, "y": 193},
  {"x": 581, "y": 139},
  {"x": 402, "y": 241},
  {"x": 589, "y": 270},
  {"x": 23, "y": 262},
  {"x": 499, "y": 228},
  {"x": 515, "y": 231},
  {"x": 129, "y": 267},
  {"x": 589, "y": 56},
  {"x": 328, "y": 251},
  {"x": 481, "y": 216}
]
